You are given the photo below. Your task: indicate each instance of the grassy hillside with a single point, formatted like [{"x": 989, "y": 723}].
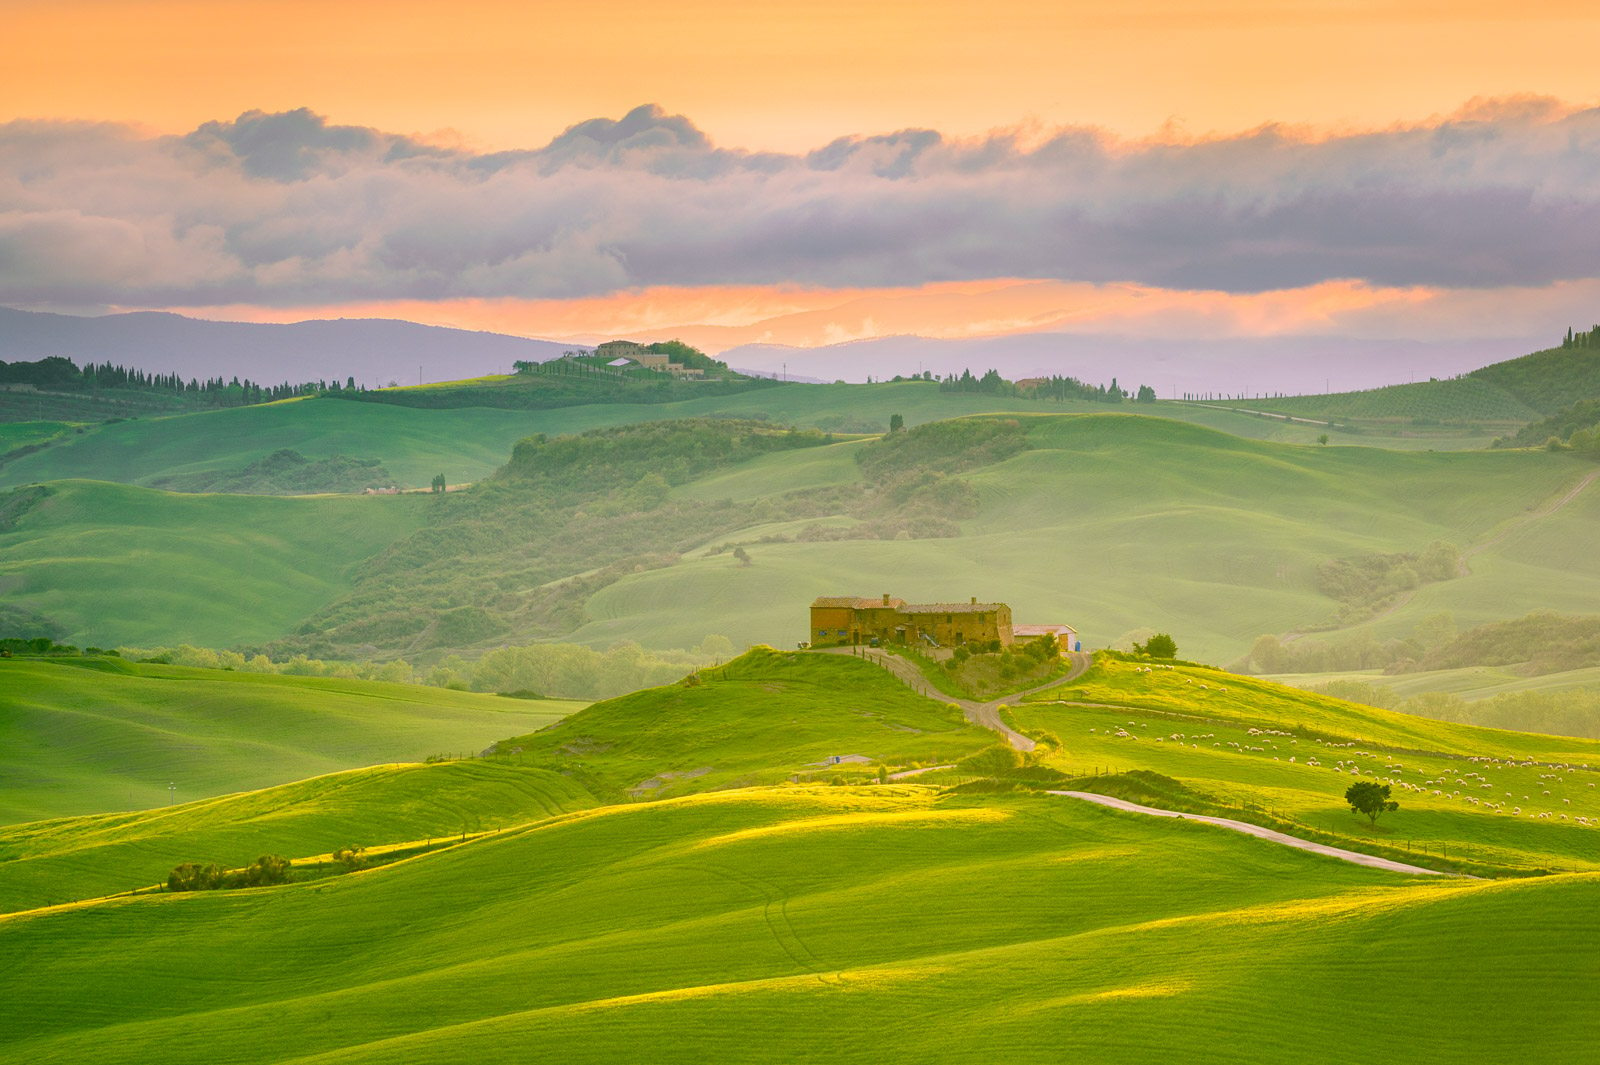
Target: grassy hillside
[
  {"x": 101, "y": 854},
  {"x": 760, "y": 719},
  {"x": 1500, "y": 397},
  {"x": 114, "y": 564},
  {"x": 1500, "y": 799},
  {"x": 1114, "y": 523},
  {"x": 1109, "y": 522},
  {"x": 1456, "y": 402},
  {"x": 85, "y": 736},
  {"x": 739, "y": 926},
  {"x": 466, "y": 444}
]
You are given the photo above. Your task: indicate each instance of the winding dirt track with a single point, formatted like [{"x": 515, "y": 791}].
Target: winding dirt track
[
  {"x": 1355, "y": 857},
  {"x": 985, "y": 715}
]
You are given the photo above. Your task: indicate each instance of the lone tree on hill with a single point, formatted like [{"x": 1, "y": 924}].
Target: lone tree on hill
[
  {"x": 1370, "y": 798},
  {"x": 438, "y": 482},
  {"x": 1158, "y": 646},
  {"x": 897, "y": 423}
]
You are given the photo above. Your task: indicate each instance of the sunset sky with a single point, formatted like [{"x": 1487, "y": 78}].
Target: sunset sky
[{"x": 731, "y": 172}]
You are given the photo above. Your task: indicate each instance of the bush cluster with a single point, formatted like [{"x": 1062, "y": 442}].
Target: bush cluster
[{"x": 191, "y": 876}]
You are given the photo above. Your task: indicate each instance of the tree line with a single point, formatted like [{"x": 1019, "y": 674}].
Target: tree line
[
  {"x": 1053, "y": 387},
  {"x": 57, "y": 373}
]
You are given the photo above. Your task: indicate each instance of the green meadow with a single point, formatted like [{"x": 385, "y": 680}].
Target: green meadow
[
  {"x": 718, "y": 910},
  {"x": 1110, "y": 522},
  {"x": 1489, "y": 800},
  {"x": 381, "y": 806},
  {"x": 82, "y": 736},
  {"x": 1114, "y": 523},
  {"x": 468, "y": 443},
  {"x": 113, "y": 564}
]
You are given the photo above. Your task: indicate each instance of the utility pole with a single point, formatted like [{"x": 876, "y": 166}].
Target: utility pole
[{"x": 172, "y": 794}]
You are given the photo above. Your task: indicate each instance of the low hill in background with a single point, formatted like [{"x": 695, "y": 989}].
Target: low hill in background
[
  {"x": 375, "y": 351},
  {"x": 1110, "y": 522}
]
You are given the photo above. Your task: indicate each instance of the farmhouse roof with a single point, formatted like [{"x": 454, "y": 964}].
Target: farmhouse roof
[
  {"x": 951, "y": 608},
  {"x": 852, "y": 602},
  {"x": 1041, "y": 630},
  {"x": 623, "y": 361}
]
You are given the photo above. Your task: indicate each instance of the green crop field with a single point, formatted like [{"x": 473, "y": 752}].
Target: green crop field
[
  {"x": 81, "y": 736},
  {"x": 728, "y": 915},
  {"x": 113, "y": 564}
]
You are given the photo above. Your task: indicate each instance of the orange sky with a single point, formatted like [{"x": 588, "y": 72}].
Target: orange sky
[
  {"x": 502, "y": 73},
  {"x": 492, "y": 74},
  {"x": 715, "y": 318}
]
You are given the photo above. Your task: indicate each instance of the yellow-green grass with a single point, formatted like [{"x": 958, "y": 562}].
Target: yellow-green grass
[
  {"x": 1113, "y": 523},
  {"x": 80, "y": 736},
  {"x": 114, "y": 564},
  {"x": 1501, "y": 799},
  {"x": 53, "y": 861},
  {"x": 762, "y": 718},
  {"x": 23, "y": 434},
  {"x": 821, "y": 924}
]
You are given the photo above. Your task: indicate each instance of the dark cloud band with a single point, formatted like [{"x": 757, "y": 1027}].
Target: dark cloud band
[{"x": 286, "y": 208}]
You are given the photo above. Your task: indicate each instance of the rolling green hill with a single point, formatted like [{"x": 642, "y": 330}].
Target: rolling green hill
[
  {"x": 469, "y": 443},
  {"x": 734, "y": 923},
  {"x": 81, "y": 736},
  {"x": 1110, "y": 522},
  {"x": 102, "y": 854},
  {"x": 1498, "y": 398},
  {"x": 113, "y": 564},
  {"x": 760, "y": 719},
  {"x": 1114, "y": 523},
  {"x": 739, "y": 926},
  {"x": 1496, "y": 800}
]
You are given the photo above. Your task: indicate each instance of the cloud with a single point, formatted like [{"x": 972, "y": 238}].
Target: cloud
[{"x": 286, "y": 208}]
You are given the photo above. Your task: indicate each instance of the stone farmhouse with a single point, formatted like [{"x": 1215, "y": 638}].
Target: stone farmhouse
[
  {"x": 848, "y": 620},
  {"x": 621, "y": 352}
]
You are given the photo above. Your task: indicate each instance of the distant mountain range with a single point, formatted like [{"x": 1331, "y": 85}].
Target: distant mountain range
[
  {"x": 375, "y": 351},
  {"x": 1244, "y": 365}
]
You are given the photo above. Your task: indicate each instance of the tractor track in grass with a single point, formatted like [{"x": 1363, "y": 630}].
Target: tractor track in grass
[
  {"x": 983, "y": 714},
  {"x": 1355, "y": 857}
]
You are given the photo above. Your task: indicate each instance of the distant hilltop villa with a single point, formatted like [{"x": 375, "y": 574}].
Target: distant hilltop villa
[{"x": 849, "y": 620}]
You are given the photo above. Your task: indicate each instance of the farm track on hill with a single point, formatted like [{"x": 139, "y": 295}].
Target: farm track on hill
[
  {"x": 1355, "y": 857},
  {"x": 983, "y": 714},
  {"x": 1467, "y": 554}
]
